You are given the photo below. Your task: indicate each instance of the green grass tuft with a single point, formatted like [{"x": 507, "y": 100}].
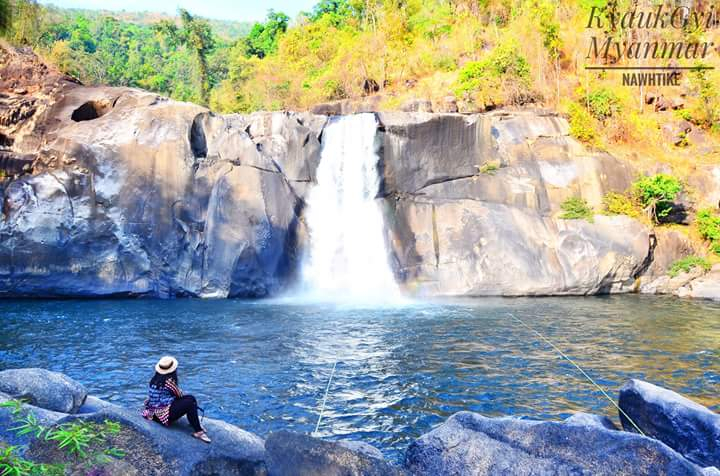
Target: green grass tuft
[
  {"x": 685, "y": 265},
  {"x": 576, "y": 208}
]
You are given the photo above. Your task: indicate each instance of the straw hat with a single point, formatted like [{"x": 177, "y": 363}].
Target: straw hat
[{"x": 166, "y": 365}]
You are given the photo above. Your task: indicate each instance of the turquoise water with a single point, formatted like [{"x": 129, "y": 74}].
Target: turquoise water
[{"x": 265, "y": 365}]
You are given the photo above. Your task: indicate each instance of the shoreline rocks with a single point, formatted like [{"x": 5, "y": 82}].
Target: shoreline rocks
[
  {"x": 681, "y": 439},
  {"x": 468, "y": 443}
]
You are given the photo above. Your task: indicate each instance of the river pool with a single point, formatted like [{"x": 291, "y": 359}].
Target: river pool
[{"x": 400, "y": 370}]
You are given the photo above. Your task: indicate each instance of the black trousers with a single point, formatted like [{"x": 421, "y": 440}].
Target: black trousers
[{"x": 186, "y": 405}]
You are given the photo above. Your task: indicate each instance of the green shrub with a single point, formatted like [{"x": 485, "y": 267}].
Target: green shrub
[
  {"x": 619, "y": 204},
  {"x": 11, "y": 464},
  {"x": 504, "y": 65},
  {"x": 708, "y": 224},
  {"x": 601, "y": 103},
  {"x": 74, "y": 437},
  {"x": 684, "y": 114},
  {"x": 707, "y": 111},
  {"x": 81, "y": 440},
  {"x": 656, "y": 194},
  {"x": 334, "y": 90},
  {"x": 582, "y": 124},
  {"x": 686, "y": 264},
  {"x": 575, "y": 208}
]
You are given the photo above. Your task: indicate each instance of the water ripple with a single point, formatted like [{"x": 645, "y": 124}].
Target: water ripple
[{"x": 264, "y": 365}]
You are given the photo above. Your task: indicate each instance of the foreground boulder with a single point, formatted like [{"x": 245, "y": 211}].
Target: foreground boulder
[
  {"x": 468, "y": 443},
  {"x": 687, "y": 427},
  {"x": 43, "y": 388},
  {"x": 290, "y": 454}
]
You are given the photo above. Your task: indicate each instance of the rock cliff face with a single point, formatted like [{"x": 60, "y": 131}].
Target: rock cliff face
[
  {"x": 116, "y": 191},
  {"x": 473, "y": 204},
  {"x": 149, "y": 196}
]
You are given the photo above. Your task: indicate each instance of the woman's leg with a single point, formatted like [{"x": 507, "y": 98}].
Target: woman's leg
[{"x": 186, "y": 405}]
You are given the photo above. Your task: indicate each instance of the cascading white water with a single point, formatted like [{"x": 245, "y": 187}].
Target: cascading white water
[{"x": 347, "y": 258}]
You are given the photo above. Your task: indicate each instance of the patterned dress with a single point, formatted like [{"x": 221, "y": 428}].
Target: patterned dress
[{"x": 159, "y": 401}]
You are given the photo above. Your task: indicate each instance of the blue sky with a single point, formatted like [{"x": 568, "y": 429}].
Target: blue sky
[{"x": 242, "y": 10}]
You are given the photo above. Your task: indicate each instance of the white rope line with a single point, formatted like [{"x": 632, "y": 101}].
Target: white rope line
[
  {"x": 580, "y": 369},
  {"x": 322, "y": 407}
]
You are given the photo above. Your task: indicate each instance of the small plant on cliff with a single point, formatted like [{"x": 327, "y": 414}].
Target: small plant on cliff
[
  {"x": 576, "y": 208},
  {"x": 688, "y": 263},
  {"x": 656, "y": 194},
  {"x": 602, "y": 103},
  {"x": 582, "y": 124},
  {"x": 619, "y": 204},
  {"x": 489, "y": 168},
  {"x": 708, "y": 224},
  {"x": 707, "y": 111}
]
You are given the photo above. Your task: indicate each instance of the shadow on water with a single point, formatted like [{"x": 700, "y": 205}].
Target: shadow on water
[{"x": 263, "y": 365}]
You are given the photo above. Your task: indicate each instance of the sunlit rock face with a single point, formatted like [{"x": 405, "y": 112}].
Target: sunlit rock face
[
  {"x": 473, "y": 205},
  {"x": 117, "y": 191},
  {"x": 133, "y": 194}
]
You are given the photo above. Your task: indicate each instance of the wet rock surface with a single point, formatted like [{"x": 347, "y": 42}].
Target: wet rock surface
[{"x": 474, "y": 202}]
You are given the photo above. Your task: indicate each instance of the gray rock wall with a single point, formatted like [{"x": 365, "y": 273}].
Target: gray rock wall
[
  {"x": 129, "y": 193},
  {"x": 473, "y": 204},
  {"x": 156, "y": 197}
]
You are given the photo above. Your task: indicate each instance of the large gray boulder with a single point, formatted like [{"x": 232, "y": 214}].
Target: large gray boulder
[
  {"x": 290, "y": 454},
  {"x": 470, "y": 444},
  {"x": 153, "y": 449},
  {"x": 687, "y": 427},
  {"x": 155, "y": 197},
  {"x": 43, "y": 388},
  {"x": 468, "y": 247},
  {"x": 473, "y": 207}
]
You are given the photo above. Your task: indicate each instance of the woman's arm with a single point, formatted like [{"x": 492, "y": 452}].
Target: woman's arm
[{"x": 172, "y": 386}]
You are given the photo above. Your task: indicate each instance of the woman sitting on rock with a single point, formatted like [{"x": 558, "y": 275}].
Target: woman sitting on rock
[{"x": 166, "y": 403}]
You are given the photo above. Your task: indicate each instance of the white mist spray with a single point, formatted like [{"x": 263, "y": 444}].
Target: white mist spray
[{"x": 347, "y": 259}]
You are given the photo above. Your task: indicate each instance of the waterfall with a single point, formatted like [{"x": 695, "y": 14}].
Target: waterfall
[{"x": 347, "y": 258}]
